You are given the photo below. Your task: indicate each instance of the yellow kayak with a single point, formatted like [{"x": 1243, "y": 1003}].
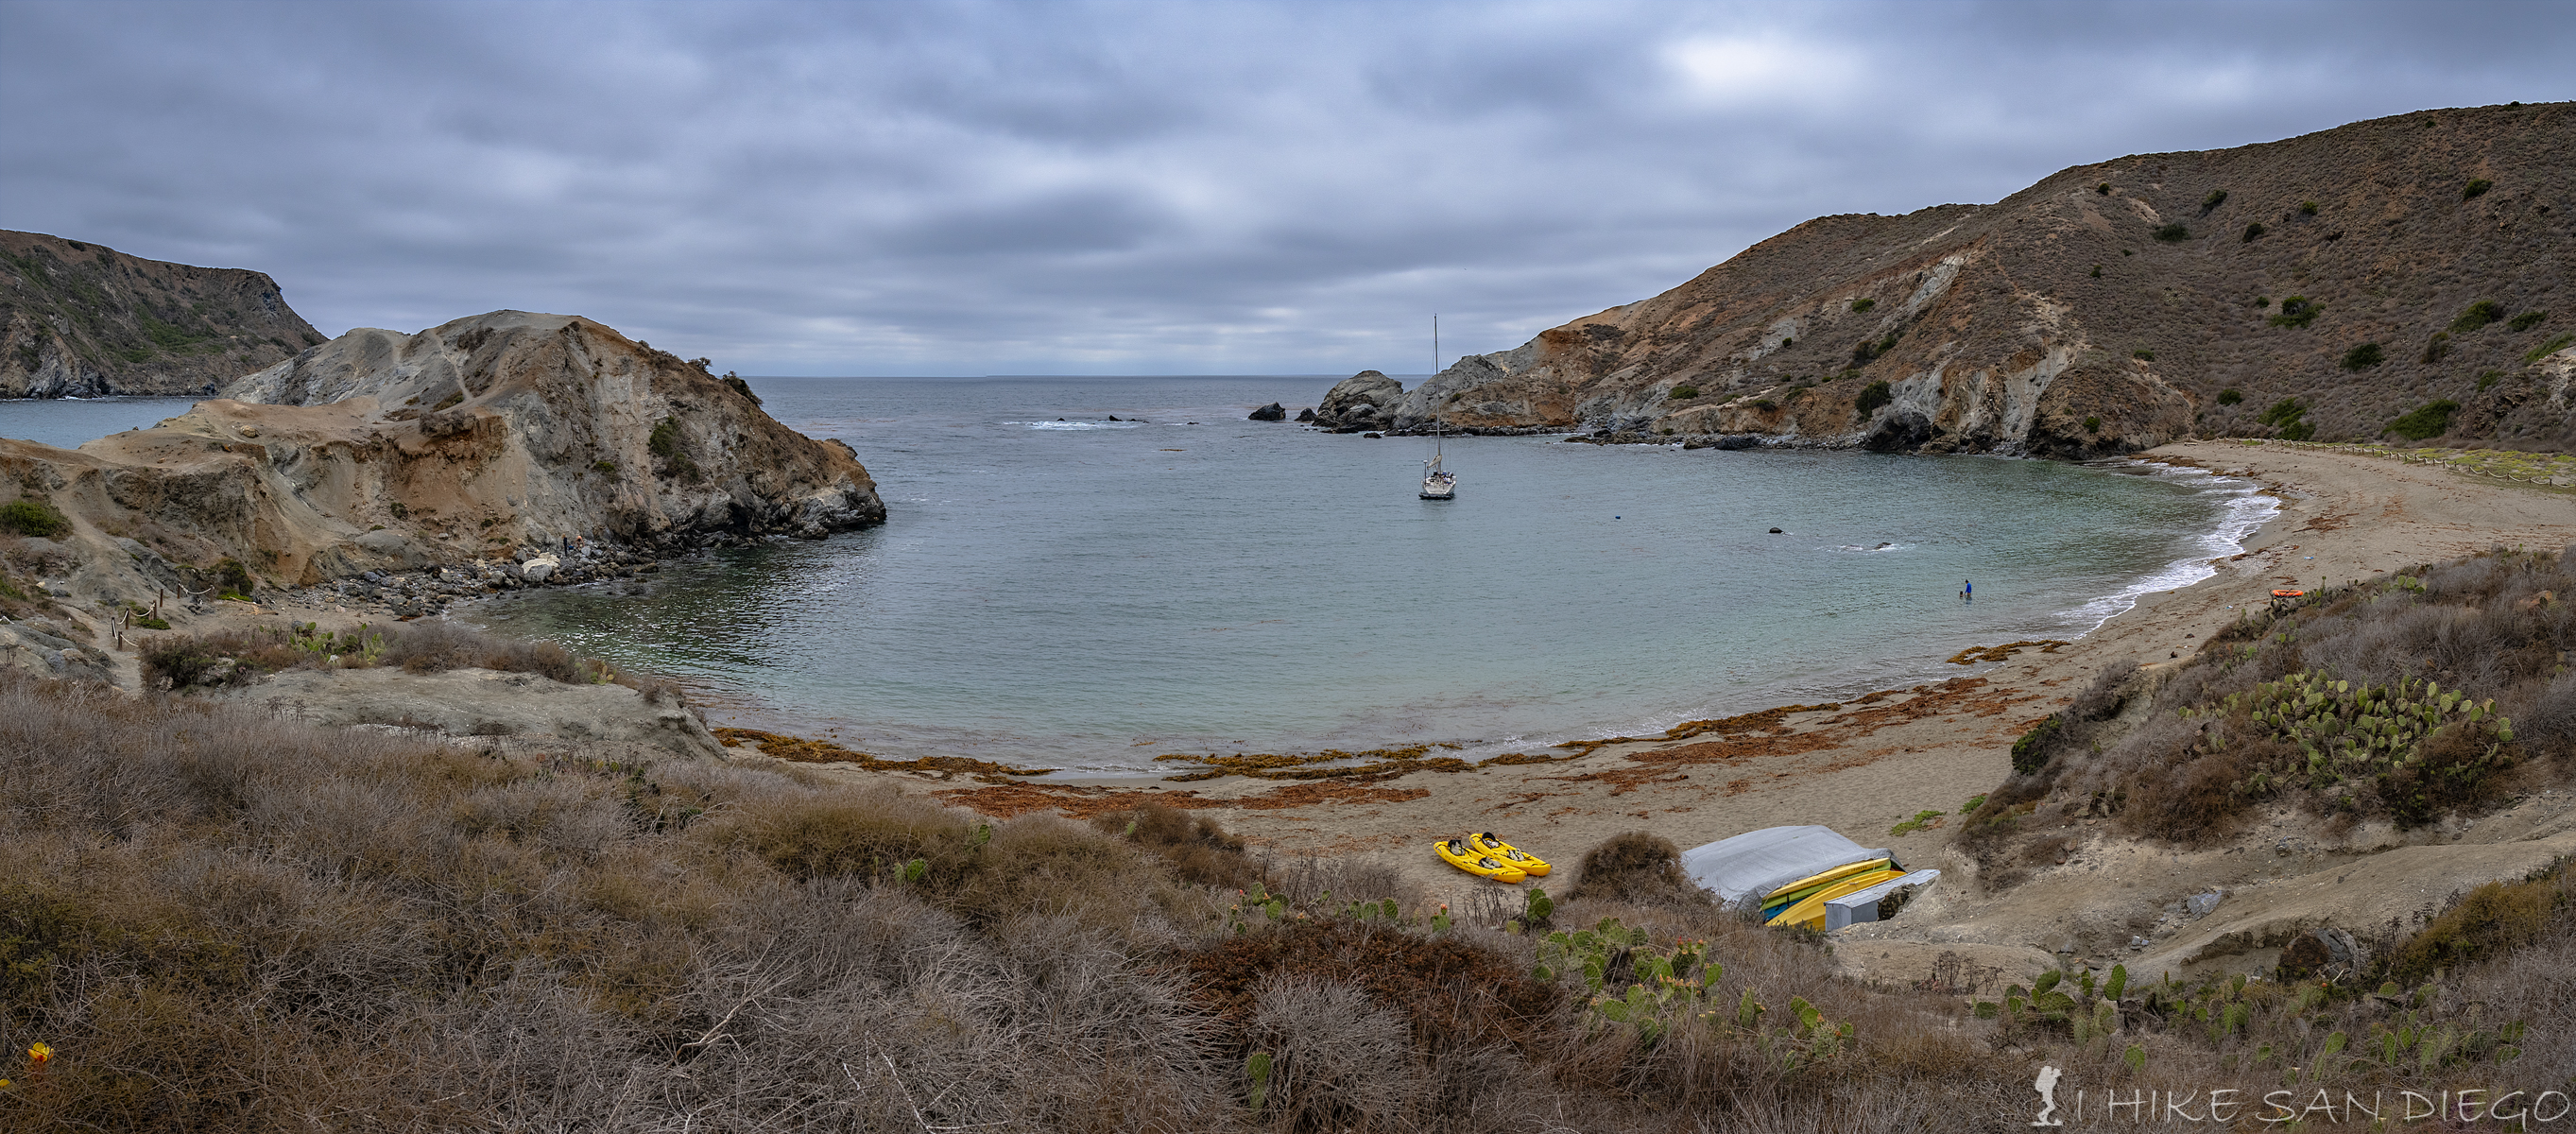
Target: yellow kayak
[
  {"x": 1457, "y": 853},
  {"x": 1812, "y": 881},
  {"x": 1809, "y": 912},
  {"x": 1529, "y": 864}
]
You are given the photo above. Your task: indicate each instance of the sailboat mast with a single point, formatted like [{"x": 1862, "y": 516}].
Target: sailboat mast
[{"x": 1436, "y": 437}]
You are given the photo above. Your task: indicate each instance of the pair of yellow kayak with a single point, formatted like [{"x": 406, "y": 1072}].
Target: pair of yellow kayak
[
  {"x": 1801, "y": 904},
  {"x": 1485, "y": 856}
]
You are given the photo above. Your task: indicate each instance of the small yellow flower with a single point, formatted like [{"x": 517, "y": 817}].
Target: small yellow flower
[{"x": 39, "y": 1054}]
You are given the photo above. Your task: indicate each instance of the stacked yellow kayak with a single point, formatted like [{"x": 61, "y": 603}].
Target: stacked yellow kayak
[
  {"x": 1485, "y": 856},
  {"x": 1529, "y": 864},
  {"x": 1801, "y": 904}
]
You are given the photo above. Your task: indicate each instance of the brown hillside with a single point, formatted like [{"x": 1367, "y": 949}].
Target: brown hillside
[
  {"x": 2061, "y": 322},
  {"x": 78, "y": 318}
]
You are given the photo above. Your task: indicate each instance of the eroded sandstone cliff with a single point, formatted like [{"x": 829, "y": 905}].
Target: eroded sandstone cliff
[
  {"x": 2108, "y": 308},
  {"x": 490, "y": 438}
]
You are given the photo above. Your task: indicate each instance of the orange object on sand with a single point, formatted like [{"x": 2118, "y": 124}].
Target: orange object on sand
[{"x": 2278, "y": 593}]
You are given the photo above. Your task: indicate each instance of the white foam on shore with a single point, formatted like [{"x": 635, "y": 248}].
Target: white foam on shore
[{"x": 2243, "y": 512}]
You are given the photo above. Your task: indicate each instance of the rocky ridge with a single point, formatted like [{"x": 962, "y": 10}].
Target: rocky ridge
[
  {"x": 502, "y": 450},
  {"x": 83, "y": 319},
  {"x": 2109, "y": 308}
]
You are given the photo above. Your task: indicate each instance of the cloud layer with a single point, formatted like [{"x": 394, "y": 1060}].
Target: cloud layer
[{"x": 918, "y": 188}]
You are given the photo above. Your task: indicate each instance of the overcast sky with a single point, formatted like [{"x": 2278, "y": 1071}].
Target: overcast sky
[{"x": 1150, "y": 188}]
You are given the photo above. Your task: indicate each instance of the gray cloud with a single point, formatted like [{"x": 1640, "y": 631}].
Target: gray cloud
[{"x": 918, "y": 188}]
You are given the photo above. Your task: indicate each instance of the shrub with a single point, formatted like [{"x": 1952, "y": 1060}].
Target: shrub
[
  {"x": 2307, "y": 208},
  {"x": 1638, "y": 867},
  {"x": 1683, "y": 391},
  {"x": 2297, "y": 311},
  {"x": 2230, "y": 396},
  {"x": 2174, "y": 233},
  {"x": 2142, "y": 354},
  {"x": 233, "y": 578},
  {"x": 1196, "y": 848},
  {"x": 740, "y": 387},
  {"x": 2437, "y": 346},
  {"x": 2362, "y": 357},
  {"x": 1861, "y": 305},
  {"x": 2103, "y": 188},
  {"x": 2215, "y": 198},
  {"x": 2526, "y": 321},
  {"x": 1872, "y": 397},
  {"x": 2476, "y": 187},
  {"x": 32, "y": 517},
  {"x": 2551, "y": 347},
  {"x": 1869, "y": 349},
  {"x": 2429, "y": 420},
  {"x": 2253, "y": 231},
  {"x": 1766, "y": 405},
  {"x": 2491, "y": 919},
  {"x": 2477, "y": 315},
  {"x": 2092, "y": 425},
  {"x": 2097, "y": 271},
  {"x": 2283, "y": 412},
  {"x": 435, "y": 647}
]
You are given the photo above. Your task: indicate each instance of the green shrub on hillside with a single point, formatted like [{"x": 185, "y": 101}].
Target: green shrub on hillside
[
  {"x": 2363, "y": 357},
  {"x": 2477, "y": 315},
  {"x": 1860, "y": 305},
  {"x": 2551, "y": 347},
  {"x": 2092, "y": 425},
  {"x": 2526, "y": 321},
  {"x": 2477, "y": 187},
  {"x": 1681, "y": 392},
  {"x": 32, "y": 517},
  {"x": 2297, "y": 311},
  {"x": 2230, "y": 396},
  {"x": 2288, "y": 415},
  {"x": 2142, "y": 354},
  {"x": 2103, "y": 188},
  {"x": 2215, "y": 198},
  {"x": 2252, "y": 231},
  {"x": 2437, "y": 346},
  {"x": 2426, "y": 421},
  {"x": 1873, "y": 396},
  {"x": 2307, "y": 208},
  {"x": 2488, "y": 378},
  {"x": 2174, "y": 233}
]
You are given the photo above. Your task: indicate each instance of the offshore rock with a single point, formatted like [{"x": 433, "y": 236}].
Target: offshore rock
[
  {"x": 1272, "y": 412},
  {"x": 1365, "y": 400}
]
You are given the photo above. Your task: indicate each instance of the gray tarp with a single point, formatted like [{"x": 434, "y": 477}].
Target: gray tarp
[{"x": 1742, "y": 869}]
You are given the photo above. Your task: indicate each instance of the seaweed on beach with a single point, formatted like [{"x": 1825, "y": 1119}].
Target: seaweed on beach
[
  {"x": 805, "y": 751},
  {"x": 1974, "y": 655},
  {"x": 1381, "y": 763},
  {"x": 1765, "y": 720}
]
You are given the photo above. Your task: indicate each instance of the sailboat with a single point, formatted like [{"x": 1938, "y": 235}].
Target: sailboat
[{"x": 1437, "y": 483}]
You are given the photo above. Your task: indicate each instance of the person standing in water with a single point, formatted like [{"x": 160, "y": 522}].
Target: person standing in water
[{"x": 1967, "y": 591}]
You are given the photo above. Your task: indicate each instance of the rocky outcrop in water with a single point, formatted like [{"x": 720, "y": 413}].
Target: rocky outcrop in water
[
  {"x": 82, "y": 319},
  {"x": 481, "y": 442},
  {"x": 2109, "y": 308},
  {"x": 1272, "y": 412},
  {"x": 1365, "y": 400}
]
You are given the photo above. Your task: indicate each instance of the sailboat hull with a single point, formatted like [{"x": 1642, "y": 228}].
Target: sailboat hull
[{"x": 1440, "y": 486}]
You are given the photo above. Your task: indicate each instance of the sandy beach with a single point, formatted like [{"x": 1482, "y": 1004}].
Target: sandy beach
[{"x": 1863, "y": 764}]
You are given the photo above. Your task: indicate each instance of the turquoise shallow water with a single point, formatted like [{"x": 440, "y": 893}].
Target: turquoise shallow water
[{"x": 1091, "y": 593}]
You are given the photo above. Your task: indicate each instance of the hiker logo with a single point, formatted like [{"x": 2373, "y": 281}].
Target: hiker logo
[{"x": 2047, "y": 1088}]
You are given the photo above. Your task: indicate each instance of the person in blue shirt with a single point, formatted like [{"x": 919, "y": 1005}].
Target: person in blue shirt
[{"x": 1967, "y": 591}]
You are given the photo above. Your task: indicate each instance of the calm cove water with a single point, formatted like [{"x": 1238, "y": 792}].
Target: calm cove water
[
  {"x": 1052, "y": 586},
  {"x": 1055, "y": 587}
]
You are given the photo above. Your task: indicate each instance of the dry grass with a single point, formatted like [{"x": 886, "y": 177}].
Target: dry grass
[
  {"x": 238, "y": 657},
  {"x": 225, "y": 922}
]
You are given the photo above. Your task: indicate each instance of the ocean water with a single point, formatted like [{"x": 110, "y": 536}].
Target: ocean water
[
  {"x": 66, "y": 422},
  {"x": 1055, "y": 587}
]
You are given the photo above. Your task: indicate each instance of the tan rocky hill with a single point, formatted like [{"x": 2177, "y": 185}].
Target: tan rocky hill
[
  {"x": 2357, "y": 274},
  {"x": 83, "y": 319},
  {"x": 492, "y": 439}
]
